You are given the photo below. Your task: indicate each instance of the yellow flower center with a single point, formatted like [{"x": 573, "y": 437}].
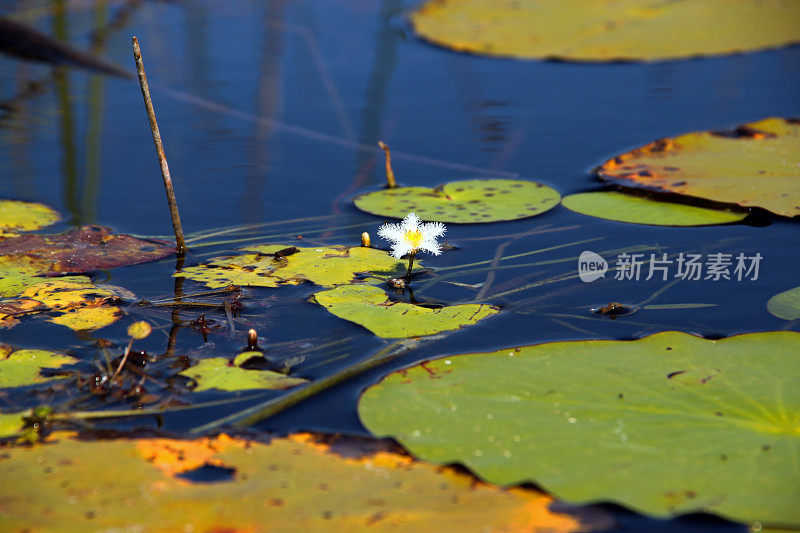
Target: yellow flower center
[{"x": 414, "y": 239}]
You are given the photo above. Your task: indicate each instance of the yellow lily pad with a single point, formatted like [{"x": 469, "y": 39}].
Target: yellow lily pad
[
  {"x": 218, "y": 373},
  {"x": 370, "y": 307},
  {"x": 24, "y": 216},
  {"x": 279, "y": 264},
  {"x": 607, "y": 30},
  {"x": 19, "y": 368},
  {"x": 463, "y": 202},
  {"x": 12, "y": 424},
  {"x": 753, "y": 166},
  {"x": 296, "y": 483},
  {"x": 77, "y": 305},
  {"x": 621, "y": 207}
]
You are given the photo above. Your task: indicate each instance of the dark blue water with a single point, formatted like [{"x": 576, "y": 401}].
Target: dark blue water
[{"x": 270, "y": 112}]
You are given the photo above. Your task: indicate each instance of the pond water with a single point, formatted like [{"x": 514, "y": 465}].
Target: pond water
[{"x": 270, "y": 114}]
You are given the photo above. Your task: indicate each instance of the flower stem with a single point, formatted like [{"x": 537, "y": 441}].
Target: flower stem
[{"x": 410, "y": 265}]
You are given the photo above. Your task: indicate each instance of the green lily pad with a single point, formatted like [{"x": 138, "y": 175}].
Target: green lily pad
[
  {"x": 24, "y": 216},
  {"x": 370, "y": 307},
  {"x": 19, "y": 368},
  {"x": 785, "y": 305},
  {"x": 666, "y": 425},
  {"x": 327, "y": 266},
  {"x": 218, "y": 373},
  {"x": 613, "y": 205},
  {"x": 592, "y": 30},
  {"x": 754, "y": 165},
  {"x": 463, "y": 202}
]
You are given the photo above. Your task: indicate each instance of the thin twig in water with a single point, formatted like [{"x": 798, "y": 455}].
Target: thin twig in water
[{"x": 162, "y": 158}]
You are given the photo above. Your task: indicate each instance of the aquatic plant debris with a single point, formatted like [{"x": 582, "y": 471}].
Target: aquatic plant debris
[
  {"x": 23, "y": 367},
  {"x": 296, "y": 483},
  {"x": 220, "y": 374},
  {"x": 754, "y": 165},
  {"x": 371, "y": 308},
  {"x": 463, "y": 202},
  {"x": 607, "y": 30},
  {"x": 83, "y": 249},
  {"x": 280, "y": 264},
  {"x": 666, "y": 425},
  {"x": 622, "y": 207}
]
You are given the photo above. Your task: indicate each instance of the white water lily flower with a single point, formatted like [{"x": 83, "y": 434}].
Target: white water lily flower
[{"x": 409, "y": 236}]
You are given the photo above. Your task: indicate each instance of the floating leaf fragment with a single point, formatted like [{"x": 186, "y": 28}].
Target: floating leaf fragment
[
  {"x": 83, "y": 249},
  {"x": 621, "y": 207},
  {"x": 786, "y": 304},
  {"x": 218, "y": 373},
  {"x": 755, "y": 165},
  {"x": 370, "y": 307},
  {"x": 667, "y": 425},
  {"x": 24, "y": 216},
  {"x": 296, "y": 483},
  {"x": 19, "y": 368},
  {"x": 279, "y": 264},
  {"x": 607, "y": 30},
  {"x": 463, "y": 202}
]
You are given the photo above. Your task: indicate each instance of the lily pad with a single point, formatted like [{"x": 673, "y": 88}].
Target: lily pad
[
  {"x": 218, "y": 373},
  {"x": 19, "y": 368},
  {"x": 667, "y": 425},
  {"x": 17, "y": 273},
  {"x": 296, "y": 483},
  {"x": 605, "y": 30},
  {"x": 279, "y": 264},
  {"x": 370, "y": 307},
  {"x": 785, "y": 305},
  {"x": 621, "y": 207},
  {"x": 24, "y": 216},
  {"x": 463, "y": 202},
  {"x": 79, "y": 305},
  {"x": 753, "y": 166},
  {"x": 12, "y": 424},
  {"x": 83, "y": 249}
]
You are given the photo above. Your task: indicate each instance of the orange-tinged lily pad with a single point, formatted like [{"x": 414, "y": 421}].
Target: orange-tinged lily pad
[
  {"x": 297, "y": 483},
  {"x": 755, "y": 165}
]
